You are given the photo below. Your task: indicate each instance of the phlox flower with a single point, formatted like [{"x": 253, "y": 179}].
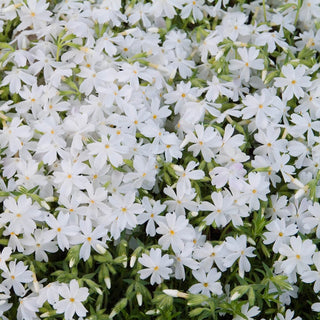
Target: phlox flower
[
  {"x": 34, "y": 14},
  {"x": 288, "y": 316},
  {"x": 183, "y": 93},
  {"x": 220, "y": 209},
  {"x": 152, "y": 210},
  {"x": 279, "y": 232},
  {"x": 40, "y": 242},
  {"x": 249, "y": 313},
  {"x": 4, "y": 256},
  {"x": 89, "y": 238},
  {"x": 313, "y": 275},
  {"x": 238, "y": 250},
  {"x": 60, "y": 226},
  {"x": 309, "y": 10},
  {"x": 248, "y": 61},
  {"x": 217, "y": 88},
  {"x": 232, "y": 174},
  {"x": 178, "y": 41},
  {"x": 294, "y": 80},
  {"x": 303, "y": 123},
  {"x": 205, "y": 141},
  {"x": 4, "y": 304},
  {"x": 271, "y": 144},
  {"x": 70, "y": 178},
  {"x": 182, "y": 200},
  {"x": 207, "y": 282},
  {"x": 180, "y": 63},
  {"x": 14, "y": 135},
  {"x": 156, "y": 265},
  {"x": 209, "y": 255},
  {"x": 140, "y": 13},
  {"x": 260, "y": 107},
  {"x": 124, "y": 212},
  {"x": 313, "y": 221},
  {"x": 187, "y": 174},
  {"x": 192, "y": 6},
  {"x": 21, "y": 215},
  {"x": 299, "y": 255},
  {"x": 164, "y": 8},
  {"x": 184, "y": 258},
  {"x": 72, "y": 300},
  {"x": 15, "y": 275},
  {"x": 175, "y": 231},
  {"x": 108, "y": 149},
  {"x": 233, "y": 25},
  {"x": 14, "y": 78},
  {"x": 257, "y": 189}
]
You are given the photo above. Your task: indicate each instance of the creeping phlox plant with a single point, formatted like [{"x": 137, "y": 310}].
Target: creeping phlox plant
[{"x": 159, "y": 159}]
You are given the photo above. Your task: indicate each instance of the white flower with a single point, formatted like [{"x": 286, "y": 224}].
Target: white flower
[
  {"x": 205, "y": 141},
  {"x": 175, "y": 231},
  {"x": 249, "y": 313},
  {"x": 294, "y": 80},
  {"x": 288, "y": 316},
  {"x": 28, "y": 307},
  {"x": 151, "y": 214},
  {"x": 187, "y": 174},
  {"x": 312, "y": 275},
  {"x": 157, "y": 266},
  {"x": 299, "y": 255},
  {"x": 40, "y": 242},
  {"x": 279, "y": 232},
  {"x": 73, "y": 297},
  {"x": 21, "y": 215},
  {"x": 248, "y": 61},
  {"x": 182, "y": 259},
  {"x": 208, "y": 282},
  {"x": 238, "y": 250},
  {"x": 15, "y": 275}
]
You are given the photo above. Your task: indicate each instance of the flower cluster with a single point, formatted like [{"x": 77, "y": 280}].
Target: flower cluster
[{"x": 179, "y": 136}]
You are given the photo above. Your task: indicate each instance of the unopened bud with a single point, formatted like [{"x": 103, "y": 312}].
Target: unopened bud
[
  {"x": 152, "y": 312},
  {"x": 100, "y": 249},
  {"x": 112, "y": 314},
  {"x": 99, "y": 291},
  {"x": 139, "y": 298},
  {"x": 235, "y": 296},
  {"x": 133, "y": 260},
  {"x": 35, "y": 283},
  {"x": 194, "y": 213},
  {"x": 44, "y": 205},
  {"x": 175, "y": 293},
  {"x": 153, "y": 30},
  {"x": 107, "y": 282},
  {"x": 299, "y": 194},
  {"x": 71, "y": 263}
]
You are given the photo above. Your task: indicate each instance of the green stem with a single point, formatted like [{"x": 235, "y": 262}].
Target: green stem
[{"x": 264, "y": 10}]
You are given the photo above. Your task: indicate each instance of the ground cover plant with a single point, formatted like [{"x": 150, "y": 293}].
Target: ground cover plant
[{"x": 159, "y": 159}]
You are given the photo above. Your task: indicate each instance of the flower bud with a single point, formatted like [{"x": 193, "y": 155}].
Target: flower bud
[{"x": 139, "y": 298}]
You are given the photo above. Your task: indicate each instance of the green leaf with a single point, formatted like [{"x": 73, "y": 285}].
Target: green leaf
[{"x": 197, "y": 311}]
